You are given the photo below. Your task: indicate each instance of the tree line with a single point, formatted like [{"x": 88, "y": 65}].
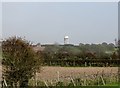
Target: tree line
[{"x": 81, "y": 52}]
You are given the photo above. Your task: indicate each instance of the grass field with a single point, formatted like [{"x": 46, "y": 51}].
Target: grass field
[
  {"x": 83, "y": 75},
  {"x": 77, "y": 76},
  {"x": 51, "y": 73}
]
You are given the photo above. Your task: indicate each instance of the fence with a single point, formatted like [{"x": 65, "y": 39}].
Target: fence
[
  {"x": 98, "y": 79},
  {"x": 83, "y": 63}
]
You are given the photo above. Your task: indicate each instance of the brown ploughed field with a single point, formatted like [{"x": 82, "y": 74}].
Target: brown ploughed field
[{"x": 53, "y": 73}]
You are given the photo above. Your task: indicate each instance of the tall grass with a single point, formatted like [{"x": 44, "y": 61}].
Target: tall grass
[{"x": 98, "y": 79}]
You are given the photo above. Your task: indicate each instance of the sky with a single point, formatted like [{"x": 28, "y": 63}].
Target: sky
[
  {"x": 49, "y": 22},
  {"x": 119, "y": 21},
  {"x": 0, "y": 20}
]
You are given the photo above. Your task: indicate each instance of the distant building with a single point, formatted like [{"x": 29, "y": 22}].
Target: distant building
[
  {"x": 38, "y": 47},
  {"x": 66, "y": 40}
]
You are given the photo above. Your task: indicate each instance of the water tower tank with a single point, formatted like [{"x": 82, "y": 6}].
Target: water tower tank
[{"x": 66, "y": 40}]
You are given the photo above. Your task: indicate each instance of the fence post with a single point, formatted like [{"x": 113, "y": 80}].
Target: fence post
[
  {"x": 85, "y": 79},
  {"x": 46, "y": 84},
  {"x": 97, "y": 76},
  {"x": 74, "y": 63},
  {"x": 85, "y": 64},
  {"x": 50, "y": 63},
  {"x": 5, "y": 82},
  {"x": 110, "y": 75},
  {"x": 102, "y": 80},
  {"x": 58, "y": 76},
  {"x": 35, "y": 79},
  {"x": 72, "y": 81},
  {"x": 51, "y": 83}
]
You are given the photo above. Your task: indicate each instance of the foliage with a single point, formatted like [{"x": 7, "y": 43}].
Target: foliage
[
  {"x": 55, "y": 54},
  {"x": 103, "y": 50},
  {"x": 79, "y": 82},
  {"x": 20, "y": 62}
]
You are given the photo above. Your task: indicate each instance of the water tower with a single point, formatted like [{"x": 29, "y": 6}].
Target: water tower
[{"x": 66, "y": 40}]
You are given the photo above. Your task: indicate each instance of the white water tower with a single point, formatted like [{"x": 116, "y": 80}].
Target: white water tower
[{"x": 66, "y": 40}]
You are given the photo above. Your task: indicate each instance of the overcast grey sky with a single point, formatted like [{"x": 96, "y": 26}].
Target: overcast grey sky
[{"x": 49, "y": 22}]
